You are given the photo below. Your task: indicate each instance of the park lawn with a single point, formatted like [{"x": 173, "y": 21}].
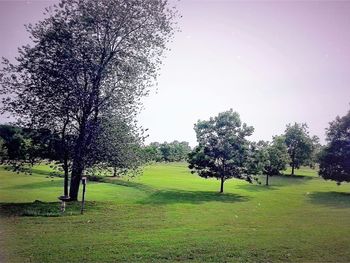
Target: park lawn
[
  {"x": 170, "y": 215},
  {"x": 304, "y": 171}
]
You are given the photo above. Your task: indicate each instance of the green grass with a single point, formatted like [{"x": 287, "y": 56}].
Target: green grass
[
  {"x": 303, "y": 171},
  {"x": 170, "y": 215}
]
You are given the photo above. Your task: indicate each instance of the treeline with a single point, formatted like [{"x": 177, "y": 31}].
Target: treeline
[
  {"x": 24, "y": 145},
  {"x": 19, "y": 146},
  {"x": 167, "y": 152},
  {"x": 224, "y": 150},
  {"x": 118, "y": 151}
]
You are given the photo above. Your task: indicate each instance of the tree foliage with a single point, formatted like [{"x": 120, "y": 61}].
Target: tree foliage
[
  {"x": 270, "y": 158},
  {"x": 335, "y": 158},
  {"x": 21, "y": 147},
  {"x": 90, "y": 61},
  {"x": 223, "y": 151},
  {"x": 300, "y": 145},
  {"x": 118, "y": 148},
  {"x": 167, "y": 152}
]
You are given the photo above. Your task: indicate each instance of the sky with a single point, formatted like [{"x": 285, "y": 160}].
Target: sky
[{"x": 274, "y": 62}]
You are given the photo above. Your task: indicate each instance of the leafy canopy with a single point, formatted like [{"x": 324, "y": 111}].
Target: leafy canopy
[
  {"x": 335, "y": 158},
  {"x": 90, "y": 64},
  {"x": 223, "y": 150},
  {"x": 300, "y": 145},
  {"x": 270, "y": 158}
]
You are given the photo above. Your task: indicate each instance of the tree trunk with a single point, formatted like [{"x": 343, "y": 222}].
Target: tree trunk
[
  {"x": 75, "y": 183},
  {"x": 222, "y": 185},
  {"x": 78, "y": 163},
  {"x": 77, "y": 171},
  {"x": 65, "y": 158},
  {"x": 293, "y": 163},
  {"x": 114, "y": 171},
  {"x": 66, "y": 175},
  {"x": 267, "y": 179}
]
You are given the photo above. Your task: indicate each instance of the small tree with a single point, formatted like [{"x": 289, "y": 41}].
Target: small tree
[
  {"x": 335, "y": 158},
  {"x": 300, "y": 145},
  {"x": 117, "y": 149},
  {"x": 271, "y": 158},
  {"x": 223, "y": 150}
]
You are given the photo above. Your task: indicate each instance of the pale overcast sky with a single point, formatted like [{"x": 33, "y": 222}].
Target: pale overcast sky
[{"x": 274, "y": 62}]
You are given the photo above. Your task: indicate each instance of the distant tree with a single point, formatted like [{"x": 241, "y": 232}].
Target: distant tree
[
  {"x": 335, "y": 158},
  {"x": 181, "y": 150},
  {"x": 258, "y": 156},
  {"x": 89, "y": 60},
  {"x": 3, "y": 151},
  {"x": 223, "y": 150},
  {"x": 23, "y": 146},
  {"x": 152, "y": 152},
  {"x": 271, "y": 158},
  {"x": 300, "y": 145},
  {"x": 13, "y": 142},
  {"x": 278, "y": 156},
  {"x": 167, "y": 152},
  {"x": 117, "y": 149},
  {"x": 317, "y": 149}
]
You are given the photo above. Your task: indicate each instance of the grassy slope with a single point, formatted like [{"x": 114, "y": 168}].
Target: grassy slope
[{"x": 170, "y": 215}]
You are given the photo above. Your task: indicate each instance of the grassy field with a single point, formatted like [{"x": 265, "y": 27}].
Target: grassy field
[{"x": 169, "y": 215}]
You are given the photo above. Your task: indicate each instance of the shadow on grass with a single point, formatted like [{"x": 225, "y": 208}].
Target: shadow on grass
[
  {"x": 139, "y": 186},
  {"x": 177, "y": 196},
  {"x": 287, "y": 180},
  {"x": 297, "y": 176},
  {"x": 41, "y": 209},
  {"x": 275, "y": 182},
  {"x": 256, "y": 187},
  {"x": 191, "y": 197},
  {"x": 332, "y": 199},
  {"x": 38, "y": 185},
  {"x": 52, "y": 173},
  {"x": 35, "y": 171}
]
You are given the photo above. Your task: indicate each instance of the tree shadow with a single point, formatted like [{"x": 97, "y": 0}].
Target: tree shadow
[
  {"x": 42, "y": 209},
  {"x": 51, "y": 174},
  {"x": 257, "y": 187},
  {"x": 287, "y": 180},
  {"x": 297, "y": 176},
  {"x": 332, "y": 199},
  {"x": 33, "y": 170},
  {"x": 275, "y": 182},
  {"x": 191, "y": 197},
  {"x": 132, "y": 184},
  {"x": 37, "y": 185}
]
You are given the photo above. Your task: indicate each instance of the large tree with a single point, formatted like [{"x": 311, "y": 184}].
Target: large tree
[
  {"x": 335, "y": 158},
  {"x": 89, "y": 60},
  {"x": 300, "y": 145},
  {"x": 223, "y": 151}
]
